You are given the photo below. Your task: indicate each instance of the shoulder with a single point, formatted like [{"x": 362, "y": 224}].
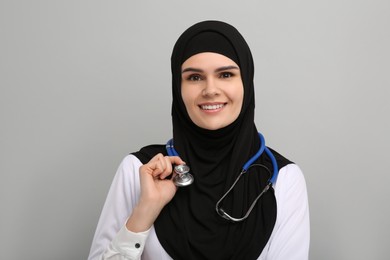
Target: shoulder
[
  {"x": 126, "y": 183},
  {"x": 291, "y": 193},
  {"x": 128, "y": 171},
  {"x": 280, "y": 159},
  {"x": 290, "y": 176},
  {"x": 288, "y": 171},
  {"x": 290, "y": 186},
  {"x": 148, "y": 152},
  {"x": 129, "y": 163},
  {"x": 290, "y": 238}
]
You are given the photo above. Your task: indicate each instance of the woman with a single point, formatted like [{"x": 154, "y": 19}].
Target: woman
[{"x": 146, "y": 216}]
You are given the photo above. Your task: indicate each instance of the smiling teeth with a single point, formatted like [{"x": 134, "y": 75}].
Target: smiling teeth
[{"x": 212, "y": 107}]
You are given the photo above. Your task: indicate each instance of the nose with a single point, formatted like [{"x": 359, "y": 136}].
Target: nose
[{"x": 210, "y": 88}]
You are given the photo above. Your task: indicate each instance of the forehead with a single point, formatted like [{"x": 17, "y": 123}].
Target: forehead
[{"x": 208, "y": 60}]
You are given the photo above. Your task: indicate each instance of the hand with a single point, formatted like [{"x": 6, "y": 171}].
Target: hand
[
  {"x": 155, "y": 188},
  {"x": 156, "y": 191}
]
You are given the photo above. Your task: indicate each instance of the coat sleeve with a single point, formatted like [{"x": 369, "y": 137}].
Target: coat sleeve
[
  {"x": 112, "y": 240},
  {"x": 291, "y": 235}
]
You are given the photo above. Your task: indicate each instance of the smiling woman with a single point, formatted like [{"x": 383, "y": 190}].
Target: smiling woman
[
  {"x": 212, "y": 90},
  {"x": 146, "y": 216}
]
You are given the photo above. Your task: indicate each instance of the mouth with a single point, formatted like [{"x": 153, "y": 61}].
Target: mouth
[{"x": 212, "y": 106}]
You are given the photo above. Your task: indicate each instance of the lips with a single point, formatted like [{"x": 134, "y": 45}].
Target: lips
[{"x": 212, "y": 106}]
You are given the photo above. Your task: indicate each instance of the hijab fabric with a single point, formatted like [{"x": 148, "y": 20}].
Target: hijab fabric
[{"x": 189, "y": 227}]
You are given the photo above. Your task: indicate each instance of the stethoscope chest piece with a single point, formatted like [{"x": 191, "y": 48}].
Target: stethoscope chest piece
[{"x": 183, "y": 176}]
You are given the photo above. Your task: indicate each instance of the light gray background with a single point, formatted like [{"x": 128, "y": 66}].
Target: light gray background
[{"x": 83, "y": 83}]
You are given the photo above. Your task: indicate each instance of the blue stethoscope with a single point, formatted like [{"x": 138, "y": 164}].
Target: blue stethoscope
[{"x": 184, "y": 178}]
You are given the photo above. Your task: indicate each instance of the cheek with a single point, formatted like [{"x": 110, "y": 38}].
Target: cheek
[
  {"x": 187, "y": 96},
  {"x": 238, "y": 95},
  {"x": 241, "y": 98}
]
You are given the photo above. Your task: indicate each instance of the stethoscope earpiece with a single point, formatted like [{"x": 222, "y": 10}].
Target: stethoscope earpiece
[{"x": 183, "y": 176}]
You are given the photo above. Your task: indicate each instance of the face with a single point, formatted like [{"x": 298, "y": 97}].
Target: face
[{"x": 212, "y": 90}]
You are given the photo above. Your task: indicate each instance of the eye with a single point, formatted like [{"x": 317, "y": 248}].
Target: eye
[
  {"x": 226, "y": 74},
  {"x": 194, "y": 77}
]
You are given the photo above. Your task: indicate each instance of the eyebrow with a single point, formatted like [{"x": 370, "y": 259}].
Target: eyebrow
[{"x": 190, "y": 69}]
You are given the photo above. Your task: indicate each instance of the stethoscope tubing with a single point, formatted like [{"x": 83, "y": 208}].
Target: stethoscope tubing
[
  {"x": 170, "y": 149},
  {"x": 272, "y": 180},
  {"x": 172, "y": 152}
]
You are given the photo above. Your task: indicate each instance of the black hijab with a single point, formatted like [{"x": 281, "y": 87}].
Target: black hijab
[{"x": 189, "y": 227}]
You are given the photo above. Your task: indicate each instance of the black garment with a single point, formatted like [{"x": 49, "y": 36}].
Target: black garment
[{"x": 189, "y": 227}]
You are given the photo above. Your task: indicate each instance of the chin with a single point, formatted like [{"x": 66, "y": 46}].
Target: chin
[{"x": 212, "y": 126}]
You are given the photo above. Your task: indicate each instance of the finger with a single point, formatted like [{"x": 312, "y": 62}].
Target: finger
[
  {"x": 157, "y": 165},
  {"x": 161, "y": 166},
  {"x": 158, "y": 168},
  {"x": 170, "y": 160},
  {"x": 176, "y": 160},
  {"x": 153, "y": 167},
  {"x": 168, "y": 169}
]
